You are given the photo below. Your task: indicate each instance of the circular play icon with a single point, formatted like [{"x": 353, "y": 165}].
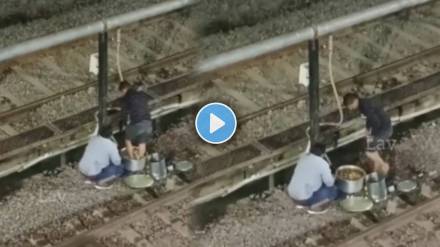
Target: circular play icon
[{"x": 216, "y": 123}]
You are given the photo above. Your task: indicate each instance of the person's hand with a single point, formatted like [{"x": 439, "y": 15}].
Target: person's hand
[
  {"x": 368, "y": 136},
  {"x": 368, "y": 132},
  {"x": 121, "y": 125}
]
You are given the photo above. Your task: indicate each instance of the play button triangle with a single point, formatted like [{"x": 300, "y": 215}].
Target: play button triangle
[{"x": 215, "y": 123}]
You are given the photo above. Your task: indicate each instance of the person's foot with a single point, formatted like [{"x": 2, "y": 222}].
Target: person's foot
[
  {"x": 88, "y": 182},
  {"x": 321, "y": 208},
  {"x": 103, "y": 186},
  {"x": 298, "y": 206},
  {"x": 318, "y": 210}
]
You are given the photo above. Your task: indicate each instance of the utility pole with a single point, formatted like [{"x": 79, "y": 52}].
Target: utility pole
[
  {"x": 314, "y": 89},
  {"x": 102, "y": 78}
]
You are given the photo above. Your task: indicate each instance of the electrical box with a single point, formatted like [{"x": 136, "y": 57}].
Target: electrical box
[
  {"x": 94, "y": 64},
  {"x": 304, "y": 74}
]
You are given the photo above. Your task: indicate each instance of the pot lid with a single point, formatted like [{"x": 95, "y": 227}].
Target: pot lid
[
  {"x": 406, "y": 186},
  {"x": 356, "y": 204},
  {"x": 139, "y": 181},
  {"x": 184, "y": 166}
]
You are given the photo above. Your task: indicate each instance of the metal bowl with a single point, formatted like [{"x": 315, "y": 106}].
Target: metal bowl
[
  {"x": 132, "y": 165},
  {"x": 350, "y": 186},
  {"x": 356, "y": 204},
  {"x": 406, "y": 186},
  {"x": 139, "y": 181}
]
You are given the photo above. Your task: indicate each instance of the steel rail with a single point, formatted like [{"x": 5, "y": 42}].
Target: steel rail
[
  {"x": 396, "y": 221},
  {"x": 194, "y": 189},
  {"x": 242, "y": 119},
  {"x": 406, "y": 94},
  {"x": 38, "y": 103},
  {"x": 346, "y": 82}
]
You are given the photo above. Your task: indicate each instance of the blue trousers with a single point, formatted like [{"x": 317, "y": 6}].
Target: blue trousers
[
  {"x": 323, "y": 194},
  {"x": 109, "y": 173}
]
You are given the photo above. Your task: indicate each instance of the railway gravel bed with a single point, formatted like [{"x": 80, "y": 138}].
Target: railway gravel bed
[
  {"x": 44, "y": 199},
  {"x": 66, "y": 218},
  {"x": 81, "y": 197},
  {"x": 273, "y": 220},
  {"x": 264, "y": 222},
  {"x": 65, "y": 68},
  {"x": 234, "y": 35},
  {"x": 277, "y": 120},
  {"x": 415, "y": 152},
  {"x": 70, "y": 104},
  {"x": 76, "y": 16},
  {"x": 92, "y": 219},
  {"x": 360, "y": 50}
]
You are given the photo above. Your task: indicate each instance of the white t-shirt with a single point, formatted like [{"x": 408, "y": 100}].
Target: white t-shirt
[
  {"x": 310, "y": 172},
  {"x": 99, "y": 153}
]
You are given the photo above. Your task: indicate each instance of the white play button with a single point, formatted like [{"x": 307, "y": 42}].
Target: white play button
[{"x": 215, "y": 123}]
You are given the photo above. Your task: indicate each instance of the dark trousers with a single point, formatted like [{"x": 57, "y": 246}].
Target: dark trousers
[
  {"x": 108, "y": 174},
  {"x": 323, "y": 194}
]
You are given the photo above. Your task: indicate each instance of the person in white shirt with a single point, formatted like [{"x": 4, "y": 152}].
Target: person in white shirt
[
  {"x": 101, "y": 162},
  {"x": 312, "y": 182}
]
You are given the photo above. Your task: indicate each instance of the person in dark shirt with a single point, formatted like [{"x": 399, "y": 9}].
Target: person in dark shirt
[
  {"x": 378, "y": 125},
  {"x": 135, "y": 113}
]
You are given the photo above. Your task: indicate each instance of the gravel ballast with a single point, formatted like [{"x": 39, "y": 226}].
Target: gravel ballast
[
  {"x": 73, "y": 18},
  {"x": 274, "y": 221},
  {"x": 43, "y": 199},
  {"x": 287, "y": 20},
  {"x": 264, "y": 222}
]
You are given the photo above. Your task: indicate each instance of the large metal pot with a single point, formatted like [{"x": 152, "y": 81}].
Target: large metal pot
[
  {"x": 377, "y": 188},
  {"x": 132, "y": 165},
  {"x": 158, "y": 168},
  {"x": 350, "y": 185}
]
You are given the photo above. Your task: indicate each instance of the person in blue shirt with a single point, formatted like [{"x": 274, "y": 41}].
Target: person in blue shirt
[
  {"x": 101, "y": 162},
  {"x": 135, "y": 113},
  {"x": 312, "y": 183},
  {"x": 379, "y": 129}
]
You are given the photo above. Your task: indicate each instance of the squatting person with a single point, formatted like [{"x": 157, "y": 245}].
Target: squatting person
[
  {"x": 101, "y": 162},
  {"x": 379, "y": 129},
  {"x": 312, "y": 183},
  {"x": 135, "y": 112}
]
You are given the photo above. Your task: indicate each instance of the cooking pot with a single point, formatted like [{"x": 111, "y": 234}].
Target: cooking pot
[
  {"x": 158, "y": 167},
  {"x": 132, "y": 165},
  {"x": 350, "y": 186}
]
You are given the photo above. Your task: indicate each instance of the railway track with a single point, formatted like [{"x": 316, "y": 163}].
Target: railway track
[
  {"x": 39, "y": 124},
  {"x": 34, "y": 124},
  {"x": 121, "y": 230},
  {"x": 47, "y": 78},
  {"x": 80, "y": 122},
  {"x": 171, "y": 212},
  {"x": 418, "y": 226},
  {"x": 406, "y": 219},
  {"x": 53, "y": 71}
]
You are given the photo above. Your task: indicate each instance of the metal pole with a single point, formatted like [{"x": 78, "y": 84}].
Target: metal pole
[
  {"x": 102, "y": 77},
  {"x": 314, "y": 90}
]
